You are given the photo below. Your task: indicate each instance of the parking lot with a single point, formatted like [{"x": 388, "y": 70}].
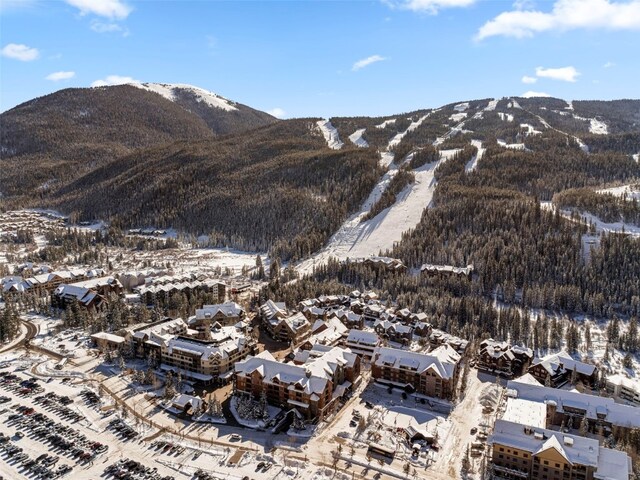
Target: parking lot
[{"x": 51, "y": 430}]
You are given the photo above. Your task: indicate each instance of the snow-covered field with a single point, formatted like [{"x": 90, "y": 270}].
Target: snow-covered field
[
  {"x": 505, "y": 117},
  {"x": 330, "y": 134}
]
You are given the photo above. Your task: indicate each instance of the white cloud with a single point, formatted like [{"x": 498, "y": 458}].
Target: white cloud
[
  {"x": 531, "y": 93},
  {"x": 57, "y": 76},
  {"x": 20, "y": 52},
  {"x": 608, "y": 65},
  {"x": 528, "y": 79},
  {"x": 114, "y": 80},
  {"x": 565, "y": 15},
  {"x": 367, "y": 61},
  {"x": 431, "y": 7},
  {"x": 277, "y": 112},
  {"x": 101, "y": 27},
  {"x": 565, "y": 74},
  {"x": 115, "y": 9}
]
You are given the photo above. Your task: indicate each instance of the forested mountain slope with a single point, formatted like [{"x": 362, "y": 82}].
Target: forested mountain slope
[
  {"x": 48, "y": 141},
  {"x": 278, "y": 187}
]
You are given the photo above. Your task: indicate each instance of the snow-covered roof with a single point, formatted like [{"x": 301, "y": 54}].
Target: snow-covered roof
[
  {"x": 427, "y": 267},
  {"x": 617, "y": 414},
  {"x": 110, "y": 337},
  {"x": 228, "y": 341},
  {"x": 557, "y": 362},
  {"x": 296, "y": 322},
  {"x": 575, "y": 449},
  {"x": 360, "y": 337},
  {"x": 443, "y": 360},
  {"x": 271, "y": 309},
  {"x": 228, "y": 309},
  {"x": 526, "y": 412},
  {"x": 327, "y": 332},
  {"x": 273, "y": 371}
]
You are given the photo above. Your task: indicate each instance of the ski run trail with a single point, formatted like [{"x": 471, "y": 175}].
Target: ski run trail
[{"x": 356, "y": 238}]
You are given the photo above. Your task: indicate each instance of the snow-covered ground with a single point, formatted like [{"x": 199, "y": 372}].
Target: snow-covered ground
[
  {"x": 514, "y": 146},
  {"x": 168, "y": 91},
  {"x": 457, "y": 117},
  {"x": 330, "y": 134},
  {"x": 600, "y": 226},
  {"x": 598, "y": 127},
  {"x": 631, "y": 191},
  {"x": 461, "y": 107},
  {"x": 636, "y": 157},
  {"x": 384, "y": 124},
  {"x": 505, "y": 117},
  {"x": 616, "y": 227},
  {"x": 399, "y": 136},
  {"x": 491, "y": 106},
  {"x": 473, "y": 163},
  {"x": 356, "y": 138},
  {"x": 530, "y": 129}
]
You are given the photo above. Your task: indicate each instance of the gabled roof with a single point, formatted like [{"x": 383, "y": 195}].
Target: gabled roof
[
  {"x": 442, "y": 360},
  {"x": 552, "y": 442},
  {"x": 559, "y": 362}
]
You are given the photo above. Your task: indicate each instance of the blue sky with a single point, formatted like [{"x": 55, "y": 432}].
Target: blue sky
[{"x": 329, "y": 58}]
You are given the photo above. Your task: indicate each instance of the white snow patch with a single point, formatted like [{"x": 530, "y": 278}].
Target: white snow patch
[
  {"x": 615, "y": 227},
  {"x": 514, "y": 146},
  {"x": 461, "y": 107},
  {"x": 636, "y": 157},
  {"x": 356, "y": 138},
  {"x": 330, "y": 134},
  {"x": 386, "y": 123},
  {"x": 457, "y": 117},
  {"x": 583, "y": 146},
  {"x": 399, "y": 136},
  {"x": 598, "y": 127},
  {"x": 491, "y": 105},
  {"x": 631, "y": 191},
  {"x": 569, "y": 105},
  {"x": 505, "y": 116},
  {"x": 168, "y": 91},
  {"x": 473, "y": 163},
  {"x": 530, "y": 129}
]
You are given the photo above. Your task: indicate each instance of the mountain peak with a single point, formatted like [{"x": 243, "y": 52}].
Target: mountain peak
[{"x": 170, "y": 91}]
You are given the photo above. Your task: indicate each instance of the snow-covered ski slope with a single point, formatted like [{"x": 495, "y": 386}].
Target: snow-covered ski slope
[
  {"x": 473, "y": 163},
  {"x": 356, "y": 239},
  {"x": 330, "y": 134},
  {"x": 357, "y": 139}
]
